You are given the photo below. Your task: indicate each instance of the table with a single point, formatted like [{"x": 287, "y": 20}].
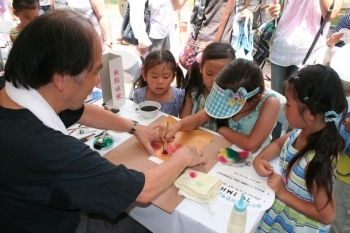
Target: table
[{"x": 189, "y": 216}]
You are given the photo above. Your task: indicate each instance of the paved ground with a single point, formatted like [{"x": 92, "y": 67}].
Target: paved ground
[{"x": 116, "y": 21}]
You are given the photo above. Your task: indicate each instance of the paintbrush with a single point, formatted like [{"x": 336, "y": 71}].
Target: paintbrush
[
  {"x": 165, "y": 145},
  {"x": 84, "y": 139},
  {"x": 80, "y": 127},
  {"x": 73, "y": 130},
  {"x": 114, "y": 110},
  {"x": 99, "y": 142}
]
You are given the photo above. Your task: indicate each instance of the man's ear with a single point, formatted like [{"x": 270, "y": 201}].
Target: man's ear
[{"x": 59, "y": 81}]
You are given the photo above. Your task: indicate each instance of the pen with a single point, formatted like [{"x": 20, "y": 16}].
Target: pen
[{"x": 165, "y": 146}]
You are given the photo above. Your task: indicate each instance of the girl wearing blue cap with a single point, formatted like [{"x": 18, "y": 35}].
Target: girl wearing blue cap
[
  {"x": 245, "y": 113},
  {"x": 308, "y": 155}
]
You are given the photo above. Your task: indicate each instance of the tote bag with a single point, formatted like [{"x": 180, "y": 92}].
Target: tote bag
[{"x": 127, "y": 33}]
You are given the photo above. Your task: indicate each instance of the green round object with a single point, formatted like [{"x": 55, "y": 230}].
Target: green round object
[{"x": 107, "y": 142}]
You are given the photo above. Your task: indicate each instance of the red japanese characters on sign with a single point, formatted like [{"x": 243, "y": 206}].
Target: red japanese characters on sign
[{"x": 116, "y": 80}]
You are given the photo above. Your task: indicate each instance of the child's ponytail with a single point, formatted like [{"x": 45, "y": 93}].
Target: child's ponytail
[{"x": 319, "y": 89}]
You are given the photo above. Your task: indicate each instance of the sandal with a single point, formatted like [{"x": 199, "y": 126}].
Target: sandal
[{"x": 122, "y": 42}]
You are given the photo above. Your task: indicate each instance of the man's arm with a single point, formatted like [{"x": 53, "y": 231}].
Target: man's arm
[
  {"x": 96, "y": 117},
  {"x": 161, "y": 177}
]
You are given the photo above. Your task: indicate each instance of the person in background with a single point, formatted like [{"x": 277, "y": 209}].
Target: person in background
[
  {"x": 308, "y": 155},
  {"x": 45, "y": 5},
  {"x": 96, "y": 12},
  {"x": 263, "y": 6},
  {"x": 162, "y": 24},
  {"x": 244, "y": 112},
  {"x": 213, "y": 13},
  {"x": 6, "y": 16},
  {"x": 4, "y": 11},
  {"x": 158, "y": 72},
  {"x": 201, "y": 79},
  {"x": 291, "y": 41},
  {"x": 335, "y": 41},
  {"x": 182, "y": 17},
  {"x": 47, "y": 176},
  {"x": 26, "y": 11}
]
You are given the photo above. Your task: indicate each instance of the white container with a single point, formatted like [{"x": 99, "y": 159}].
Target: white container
[
  {"x": 149, "y": 109},
  {"x": 238, "y": 217}
]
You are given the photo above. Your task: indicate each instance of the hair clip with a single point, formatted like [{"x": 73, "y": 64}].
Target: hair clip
[
  {"x": 330, "y": 116},
  {"x": 296, "y": 77},
  {"x": 305, "y": 99}
]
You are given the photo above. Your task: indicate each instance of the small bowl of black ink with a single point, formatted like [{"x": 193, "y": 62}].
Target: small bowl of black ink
[{"x": 149, "y": 109}]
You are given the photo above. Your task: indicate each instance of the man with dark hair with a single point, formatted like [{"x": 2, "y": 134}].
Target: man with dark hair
[{"x": 46, "y": 176}]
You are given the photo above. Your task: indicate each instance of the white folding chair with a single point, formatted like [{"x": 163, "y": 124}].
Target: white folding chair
[
  {"x": 131, "y": 65},
  {"x": 281, "y": 126}
]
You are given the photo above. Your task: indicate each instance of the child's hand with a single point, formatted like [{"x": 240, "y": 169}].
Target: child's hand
[
  {"x": 276, "y": 183},
  {"x": 346, "y": 124},
  {"x": 262, "y": 167},
  {"x": 169, "y": 134}
]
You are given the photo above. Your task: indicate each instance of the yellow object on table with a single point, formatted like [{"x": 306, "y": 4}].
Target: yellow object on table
[{"x": 198, "y": 186}]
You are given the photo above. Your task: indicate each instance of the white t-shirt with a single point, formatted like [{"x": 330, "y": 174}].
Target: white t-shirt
[
  {"x": 161, "y": 20},
  {"x": 295, "y": 33}
]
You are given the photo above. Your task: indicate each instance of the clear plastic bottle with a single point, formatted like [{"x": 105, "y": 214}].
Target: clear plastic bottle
[{"x": 238, "y": 217}]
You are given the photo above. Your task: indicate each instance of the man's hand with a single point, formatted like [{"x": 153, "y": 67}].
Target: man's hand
[
  {"x": 146, "y": 135},
  {"x": 191, "y": 154}
]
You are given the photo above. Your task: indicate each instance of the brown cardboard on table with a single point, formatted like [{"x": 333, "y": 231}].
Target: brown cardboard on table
[{"x": 134, "y": 157}]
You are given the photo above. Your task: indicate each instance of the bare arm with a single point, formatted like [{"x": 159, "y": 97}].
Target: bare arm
[
  {"x": 163, "y": 176},
  {"x": 187, "y": 106},
  {"x": 261, "y": 130},
  {"x": 325, "y": 4},
  {"x": 261, "y": 162},
  {"x": 96, "y": 117},
  {"x": 320, "y": 210},
  {"x": 100, "y": 10},
  {"x": 188, "y": 123}
]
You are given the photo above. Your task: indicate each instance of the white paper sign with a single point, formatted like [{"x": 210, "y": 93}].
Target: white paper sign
[
  {"x": 112, "y": 80},
  {"x": 258, "y": 195},
  {"x": 117, "y": 81}
]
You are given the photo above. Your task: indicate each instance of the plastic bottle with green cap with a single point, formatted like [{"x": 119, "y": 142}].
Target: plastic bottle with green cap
[{"x": 238, "y": 217}]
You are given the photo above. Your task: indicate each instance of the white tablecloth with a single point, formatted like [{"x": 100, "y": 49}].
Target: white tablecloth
[{"x": 189, "y": 216}]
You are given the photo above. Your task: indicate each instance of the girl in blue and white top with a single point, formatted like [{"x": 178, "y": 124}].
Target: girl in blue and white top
[
  {"x": 245, "y": 113},
  {"x": 308, "y": 155},
  {"x": 158, "y": 72}
]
